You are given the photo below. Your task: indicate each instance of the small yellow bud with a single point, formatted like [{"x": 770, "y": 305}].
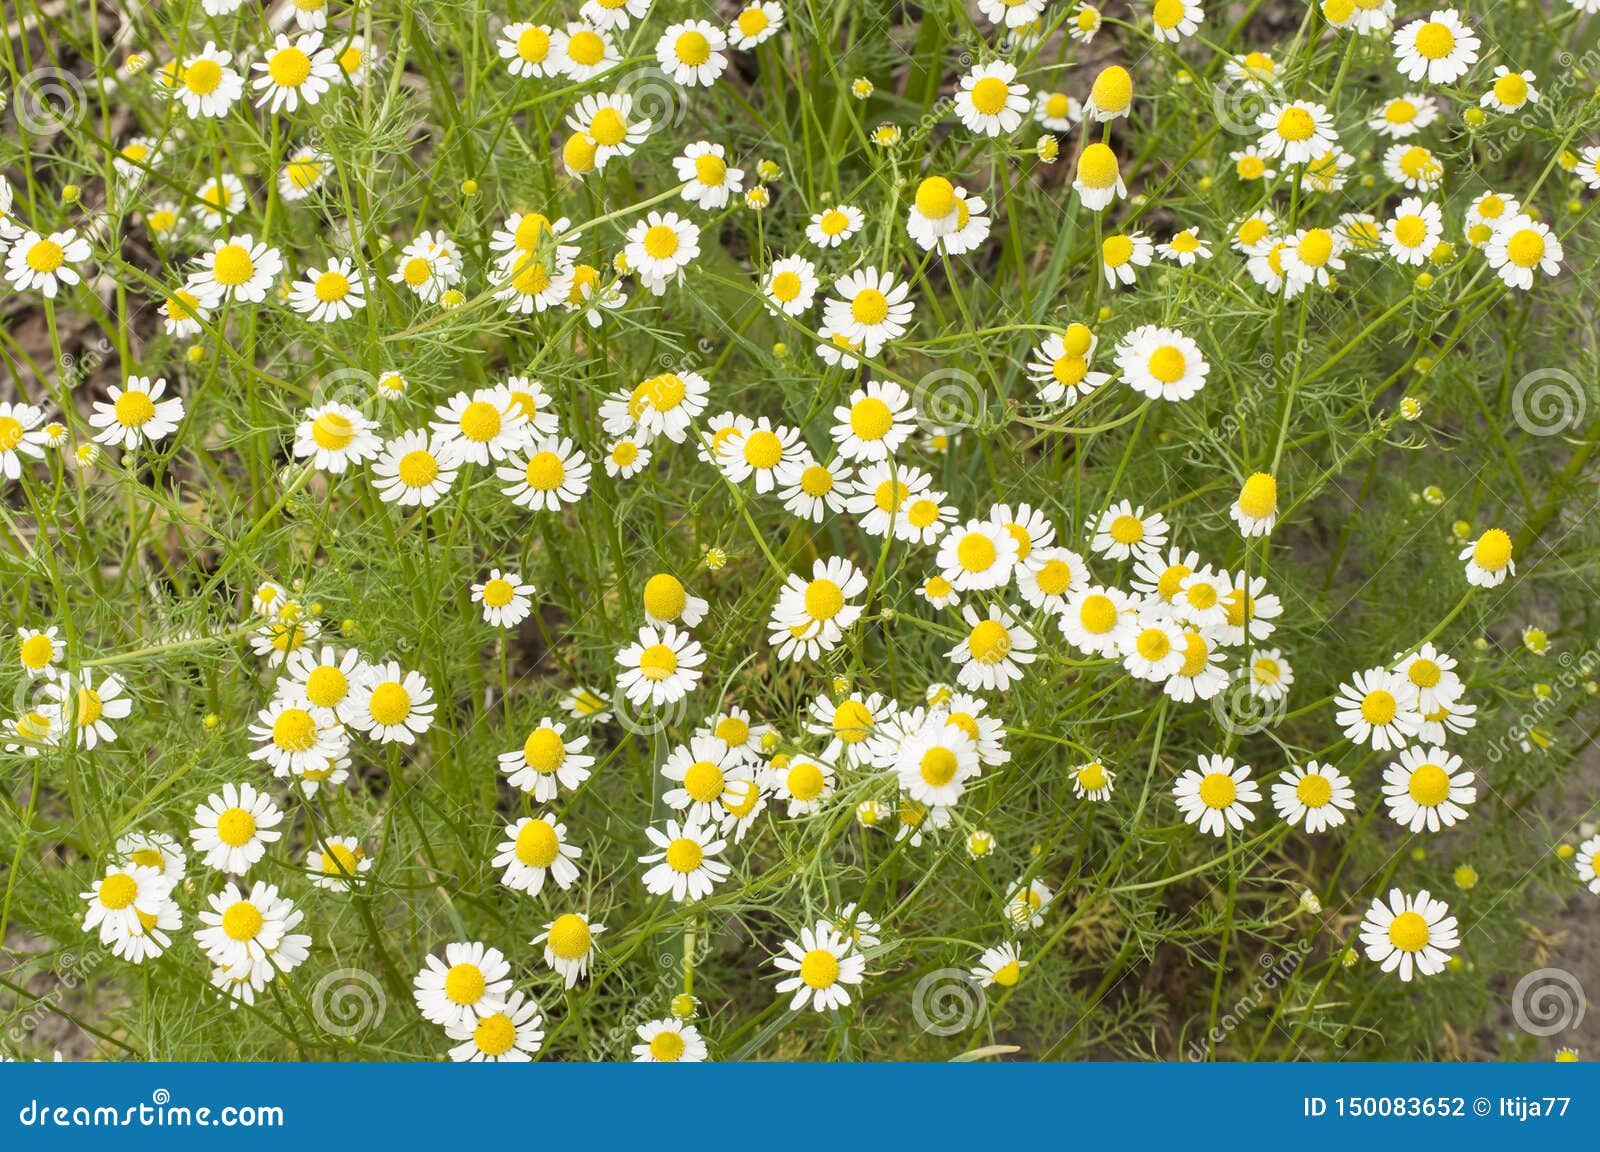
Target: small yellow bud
[{"x": 469, "y": 187}]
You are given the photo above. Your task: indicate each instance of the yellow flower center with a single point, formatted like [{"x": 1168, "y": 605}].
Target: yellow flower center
[
  {"x": 134, "y": 408},
  {"x": 684, "y": 854},
  {"x": 1378, "y": 707},
  {"x": 1218, "y": 790},
  {"x": 989, "y": 95},
  {"x": 1408, "y": 932},
  {"x": 693, "y": 48},
  {"x": 609, "y": 129},
  {"x": 498, "y": 593},
  {"x": 417, "y": 469},
  {"x": 391, "y": 703},
  {"x": 976, "y": 552},
  {"x": 236, "y": 827},
  {"x": 710, "y": 169},
  {"x": 1258, "y": 499},
  {"x": 331, "y": 286},
  {"x": 936, "y": 198},
  {"x": 333, "y": 431},
  {"x": 667, "y": 1046},
  {"x": 1097, "y": 166},
  {"x": 1424, "y": 673},
  {"x": 658, "y": 662},
  {"x": 1313, "y": 790},
  {"x": 117, "y": 891},
  {"x": 202, "y": 77},
  {"x": 294, "y": 730},
  {"x": 819, "y": 968},
  {"x": 661, "y": 242},
  {"x": 704, "y": 781},
  {"x": 805, "y": 781},
  {"x": 537, "y": 846},
  {"x": 570, "y": 938},
  {"x": 1153, "y": 644},
  {"x": 494, "y": 1035},
  {"x": 871, "y": 418},
  {"x": 586, "y": 48},
  {"x": 1167, "y": 364},
  {"x": 1098, "y": 614},
  {"x": 763, "y": 449},
  {"x": 1526, "y": 247},
  {"x": 533, "y": 44},
  {"x": 1429, "y": 786},
  {"x": 232, "y": 266},
  {"x": 544, "y": 750},
  {"x": 37, "y": 651},
  {"x": 1296, "y": 124},
  {"x": 869, "y": 307},
  {"x": 1492, "y": 552},
  {"x": 938, "y": 766},
  {"x": 545, "y": 472},
  {"x": 1435, "y": 40},
  {"x": 824, "y": 599},
  {"x": 989, "y": 642},
  {"x": 289, "y": 67},
  {"x": 242, "y": 921}
]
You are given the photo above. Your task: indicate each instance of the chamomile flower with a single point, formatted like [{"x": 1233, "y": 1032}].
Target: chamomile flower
[
  {"x": 207, "y": 85},
  {"x": 336, "y": 863},
  {"x": 1122, "y": 255},
  {"x": 324, "y": 295},
  {"x": 586, "y": 704},
  {"x": 626, "y": 458},
  {"x": 1216, "y": 795},
  {"x": 1098, "y": 621},
  {"x": 692, "y": 53},
  {"x": 1315, "y": 794},
  {"x": 415, "y": 469},
  {"x": 429, "y": 265},
  {"x": 291, "y": 735},
  {"x": 1378, "y": 708},
  {"x": 790, "y": 285},
  {"x": 547, "y": 762},
  {"x": 391, "y": 705},
  {"x": 819, "y": 609},
  {"x": 1587, "y": 863},
  {"x": 1250, "y": 165},
  {"x": 1432, "y": 673},
  {"x": 755, "y": 24},
  {"x": 1256, "y": 509},
  {"x": 581, "y": 52},
  {"x": 823, "y": 965},
  {"x": 1124, "y": 530},
  {"x": 660, "y": 247},
  {"x": 511, "y": 1034},
  {"x": 684, "y": 867},
  {"x": 994, "y": 651},
  {"x": 1296, "y": 132},
  {"x": 294, "y": 71},
  {"x": 220, "y": 199},
  {"x": 1000, "y": 966},
  {"x": 767, "y": 454},
  {"x": 1085, "y": 23},
  {"x": 1185, "y": 248},
  {"x": 481, "y": 426},
  {"x": 506, "y": 600},
  {"x": 1409, "y": 934},
  {"x": 1511, "y": 91},
  {"x": 526, "y": 50},
  {"x": 1099, "y": 177},
  {"x": 121, "y": 901},
  {"x": 253, "y": 934},
  {"x": 1050, "y": 578},
  {"x": 1520, "y": 246},
  {"x": 335, "y": 436},
  {"x": 136, "y": 414},
  {"x": 1270, "y": 675},
  {"x": 233, "y": 828},
  {"x": 1441, "y": 48},
  {"x": 667, "y": 601},
  {"x": 869, "y": 308},
  {"x": 661, "y": 667},
  {"x": 45, "y": 263},
  {"x": 1153, "y": 650},
  {"x": 1413, "y": 167},
  {"x": 1056, "y": 111},
  {"x": 1092, "y": 781},
  {"x": 1060, "y": 366},
  {"x": 708, "y": 180},
  {"x": 472, "y": 980},
  {"x": 237, "y": 268},
  {"x": 977, "y": 556},
  {"x": 668, "y": 1041},
  {"x": 1489, "y": 559},
  {"x": 989, "y": 101},
  {"x": 833, "y": 226},
  {"x": 613, "y": 14},
  {"x": 703, "y": 770},
  {"x": 554, "y": 473},
  {"x": 875, "y": 423},
  {"x": 1027, "y": 903},
  {"x": 1413, "y": 232},
  {"x": 76, "y": 700},
  {"x": 536, "y": 847},
  {"x": 38, "y": 651},
  {"x": 806, "y": 784},
  {"x": 569, "y": 945},
  {"x": 20, "y": 435},
  {"x": 1174, "y": 20},
  {"x": 1404, "y": 116},
  {"x": 1161, "y": 363},
  {"x": 1425, "y": 788},
  {"x": 814, "y": 489},
  {"x": 935, "y": 762}
]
